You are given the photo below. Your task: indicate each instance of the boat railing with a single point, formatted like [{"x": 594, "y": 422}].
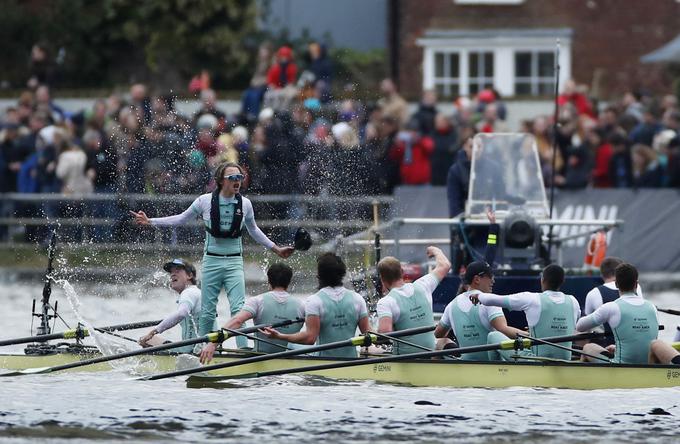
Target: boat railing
[
  {"x": 394, "y": 227},
  {"x": 92, "y": 213}
]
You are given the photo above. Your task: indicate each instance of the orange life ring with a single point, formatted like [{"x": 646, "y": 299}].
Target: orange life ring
[{"x": 596, "y": 250}]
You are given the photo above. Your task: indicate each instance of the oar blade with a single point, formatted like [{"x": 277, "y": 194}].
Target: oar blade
[
  {"x": 28, "y": 371},
  {"x": 214, "y": 383},
  {"x": 152, "y": 377},
  {"x": 207, "y": 379}
]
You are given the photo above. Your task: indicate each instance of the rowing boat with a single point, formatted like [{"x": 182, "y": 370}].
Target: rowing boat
[{"x": 443, "y": 373}]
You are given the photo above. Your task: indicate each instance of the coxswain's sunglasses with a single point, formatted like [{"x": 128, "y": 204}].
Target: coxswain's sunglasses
[{"x": 234, "y": 177}]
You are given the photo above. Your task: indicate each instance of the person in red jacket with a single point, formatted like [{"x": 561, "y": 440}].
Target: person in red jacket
[
  {"x": 602, "y": 153},
  {"x": 572, "y": 93},
  {"x": 284, "y": 71},
  {"x": 413, "y": 151}
]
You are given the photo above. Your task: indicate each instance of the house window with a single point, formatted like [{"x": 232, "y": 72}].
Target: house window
[
  {"x": 447, "y": 74},
  {"x": 512, "y": 61},
  {"x": 480, "y": 71},
  {"x": 534, "y": 73}
]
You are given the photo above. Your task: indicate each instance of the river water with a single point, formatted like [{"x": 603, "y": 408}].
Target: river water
[{"x": 112, "y": 406}]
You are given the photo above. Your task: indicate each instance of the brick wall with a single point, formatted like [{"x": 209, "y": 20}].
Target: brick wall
[{"x": 609, "y": 36}]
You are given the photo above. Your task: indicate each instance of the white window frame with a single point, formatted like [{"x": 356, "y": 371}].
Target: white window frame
[
  {"x": 481, "y": 80},
  {"x": 534, "y": 80},
  {"x": 446, "y": 81},
  {"x": 503, "y": 48}
]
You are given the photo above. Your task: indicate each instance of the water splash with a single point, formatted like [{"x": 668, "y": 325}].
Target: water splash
[
  {"x": 107, "y": 345},
  {"x": 158, "y": 278}
]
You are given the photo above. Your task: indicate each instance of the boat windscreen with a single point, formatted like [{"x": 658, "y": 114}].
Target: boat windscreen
[{"x": 505, "y": 175}]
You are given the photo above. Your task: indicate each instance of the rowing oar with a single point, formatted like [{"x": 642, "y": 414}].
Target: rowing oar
[
  {"x": 562, "y": 347},
  {"x": 401, "y": 341},
  {"x": 253, "y": 338},
  {"x": 106, "y": 332},
  {"x": 78, "y": 333},
  {"x": 669, "y": 311},
  {"x": 363, "y": 341},
  {"x": 216, "y": 336},
  {"x": 511, "y": 344}
]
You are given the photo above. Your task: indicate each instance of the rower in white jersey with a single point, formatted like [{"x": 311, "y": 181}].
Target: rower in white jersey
[
  {"x": 472, "y": 324},
  {"x": 183, "y": 281},
  {"x": 634, "y": 323},
  {"x": 272, "y": 307},
  {"x": 409, "y": 305},
  {"x": 604, "y": 293},
  {"x": 549, "y": 313},
  {"x": 332, "y": 314}
]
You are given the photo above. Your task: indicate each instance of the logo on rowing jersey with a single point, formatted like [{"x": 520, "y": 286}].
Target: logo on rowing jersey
[{"x": 377, "y": 368}]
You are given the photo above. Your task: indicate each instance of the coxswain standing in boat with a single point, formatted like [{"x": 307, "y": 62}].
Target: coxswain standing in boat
[
  {"x": 183, "y": 281},
  {"x": 471, "y": 324},
  {"x": 604, "y": 293},
  {"x": 634, "y": 323},
  {"x": 549, "y": 313},
  {"x": 224, "y": 212},
  {"x": 409, "y": 305},
  {"x": 277, "y": 305},
  {"x": 332, "y": 314}
]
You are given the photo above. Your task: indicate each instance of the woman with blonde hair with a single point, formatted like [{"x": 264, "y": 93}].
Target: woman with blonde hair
[{"x": 647, "y": 172}]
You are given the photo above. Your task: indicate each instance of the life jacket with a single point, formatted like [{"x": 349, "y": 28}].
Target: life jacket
[
  {"x": 235, "y": 229},
  {"x": 608, "y": 295}
]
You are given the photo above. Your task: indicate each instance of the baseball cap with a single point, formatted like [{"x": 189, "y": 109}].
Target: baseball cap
[
  {"x": 302, "y": 239},
  {"x": 477, "y": 268},
  {"x": 181, "y": 263}
]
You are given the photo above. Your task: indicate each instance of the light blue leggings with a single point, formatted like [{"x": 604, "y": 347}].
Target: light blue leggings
[{"x": 219, "y": 273}]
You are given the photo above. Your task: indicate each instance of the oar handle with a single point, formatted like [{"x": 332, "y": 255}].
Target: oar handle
[
  {"x": 256, "y": 328},
  {"x": 254, "y": 338},
  {"x": 552, "y": 344}
]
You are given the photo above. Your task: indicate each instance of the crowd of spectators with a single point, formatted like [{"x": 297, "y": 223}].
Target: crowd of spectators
[
  {"x": 632, "y": 142},
  {"x": 300, "y": 130}
]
